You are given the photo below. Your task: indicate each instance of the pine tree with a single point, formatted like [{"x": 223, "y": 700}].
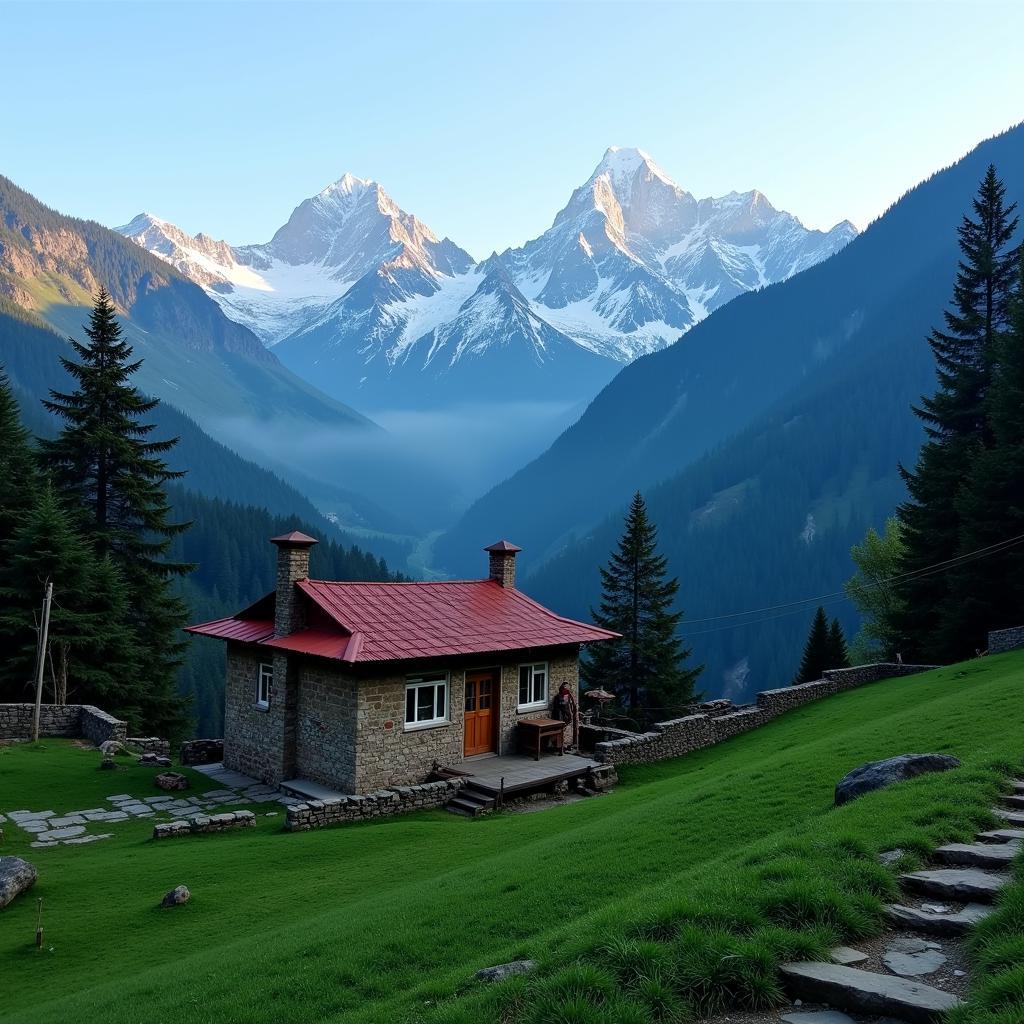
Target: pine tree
[
  {"x": 87, "y": 630},
  {"x": 955, "y": 422},
  {"x": 106, "y": 462},
  {"x": 18, "y": 475},
  {"x": 647, "y": 667},
  {"x": 991, "y": 502},
  {"x": 817, "y": 651},
  {"x": 838, "y": 655}
]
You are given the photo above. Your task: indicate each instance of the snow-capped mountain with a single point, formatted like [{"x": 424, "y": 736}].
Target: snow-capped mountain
[{"x": 370, "y": 302}]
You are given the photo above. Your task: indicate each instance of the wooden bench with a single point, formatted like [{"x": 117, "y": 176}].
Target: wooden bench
[{"x": 533, "y": 731}]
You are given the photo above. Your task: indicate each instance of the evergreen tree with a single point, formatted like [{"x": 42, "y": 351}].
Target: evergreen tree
[
  {"x": 955, "y": 422},
  {"x": 646, "y": 666},
  {"x": 87, "y": 618},
  {"x": 876, "y": 593},
  {"x": 838, "y": 655},
  {"x": 107, "y": 463},
  {"x": 991, "y": 503},
  {"x": 18, "y": 476},
  {"x": 818, "y": 650}
]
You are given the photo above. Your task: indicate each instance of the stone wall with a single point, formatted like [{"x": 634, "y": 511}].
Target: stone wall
[
  {"x": 257, "y": 741},
  {"x": 387, "y": 754},
  {"x": 202, "y": 751},
  {"x": 150, "y": 745},
  {"x": 717, "y": 723},
  {"x": 381, "y": 804},
  {"x": 61, "y": 720},
  {"x": 325, "y": 727},
  {"x": 225, "y": 822},
  {"x": 1002, "y": 640}
]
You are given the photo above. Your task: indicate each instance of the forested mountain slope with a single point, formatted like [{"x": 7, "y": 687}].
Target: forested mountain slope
[
  {"x": 871, "y": 301},
  {"x": 211, "y": 367},
  {"x": 234, "y": 506}
]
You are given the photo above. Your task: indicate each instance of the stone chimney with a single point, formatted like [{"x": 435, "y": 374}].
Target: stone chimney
[
  {"x": 292, "y": 565},
  {"x": 503, "y": 563}
]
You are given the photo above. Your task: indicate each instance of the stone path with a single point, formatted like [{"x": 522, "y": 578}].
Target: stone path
[
  {"x": 72, "y": 828},
  {"x": 918, "y": 975}
]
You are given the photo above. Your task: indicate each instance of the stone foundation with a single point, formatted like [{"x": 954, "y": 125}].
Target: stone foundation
[
  {"x": 71, "y": 721},
  {"x": 720, "y": 720},
  {"x": 382, "y": 804}
]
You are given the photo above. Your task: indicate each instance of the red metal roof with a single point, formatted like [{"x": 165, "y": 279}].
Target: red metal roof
[
  {"x": 247, "y": 631},
  {"x": 404, "y": 621}
]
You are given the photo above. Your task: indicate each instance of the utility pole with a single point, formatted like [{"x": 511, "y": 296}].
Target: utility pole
[{"x": 44, "y": 634}]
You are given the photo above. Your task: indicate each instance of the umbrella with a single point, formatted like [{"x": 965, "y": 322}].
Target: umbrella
[{"x": 601, "y": 695}]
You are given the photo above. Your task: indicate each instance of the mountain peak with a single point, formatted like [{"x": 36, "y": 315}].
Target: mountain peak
[
  {"x": 622, "y": 163},
  {"x": 348, "y": 184}
]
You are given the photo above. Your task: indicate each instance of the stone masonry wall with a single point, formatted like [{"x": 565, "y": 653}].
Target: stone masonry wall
[
  {"x": 255, "y": 740},
  {"x": 381, "y": 804},
  {"x": 325, "y": 727},
  {"x": 387, "y": 754},
  {"x": 202, "y": 751},
  {"x": 694, "y": 732},
  {"x": 1002, "y": 640},
  {"x": 61, "y": 720}
]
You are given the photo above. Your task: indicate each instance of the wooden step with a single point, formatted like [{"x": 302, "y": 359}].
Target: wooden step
[
  {"x": 931, "y": 922},
  {"x": 978, "y": 855},
  {"x": 961, "y": 885},
  {"x": 458, "y": 805},
  {"x": 848, "y": 988}
]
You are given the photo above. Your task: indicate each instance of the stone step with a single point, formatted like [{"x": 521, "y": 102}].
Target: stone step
[
  {"x": 1015, "y": 800},
  {"x": 1002, "y": 835},
  {"x": 962, "y": 885},
  {"x": 1011, "y": 817},
  {"x": 305, "y": 789},
  {"x": 848, "y": 988},
  {"x": 930, "y": 922},
  {"x": 978, "y": 855}
]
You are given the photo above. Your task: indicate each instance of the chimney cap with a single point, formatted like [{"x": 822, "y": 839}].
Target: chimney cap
[
  {"x": 294, "y": 539},
  {"x": 503, "y": 547}
]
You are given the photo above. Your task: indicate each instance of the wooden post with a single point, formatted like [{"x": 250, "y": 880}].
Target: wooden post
[
  {"x": 39, "y": 924},
  {"x": 44, "y": 635}
]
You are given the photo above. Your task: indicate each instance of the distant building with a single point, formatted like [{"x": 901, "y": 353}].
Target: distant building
[{"x": 357, "y": 686}]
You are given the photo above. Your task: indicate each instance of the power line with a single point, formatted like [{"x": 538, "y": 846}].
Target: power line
[{"x": 795, "y": 607}]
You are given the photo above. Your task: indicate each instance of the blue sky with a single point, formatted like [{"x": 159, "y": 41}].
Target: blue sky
[{"x": 481, "y": 117}]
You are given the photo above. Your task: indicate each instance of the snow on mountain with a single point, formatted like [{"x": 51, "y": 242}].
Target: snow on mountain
[{"x": 361, "y": 293}]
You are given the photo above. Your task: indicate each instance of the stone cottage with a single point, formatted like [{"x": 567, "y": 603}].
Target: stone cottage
[{"x": 359, "y": 686}]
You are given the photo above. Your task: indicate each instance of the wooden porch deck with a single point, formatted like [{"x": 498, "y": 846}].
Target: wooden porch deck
[{"x": 522, "y": 772}]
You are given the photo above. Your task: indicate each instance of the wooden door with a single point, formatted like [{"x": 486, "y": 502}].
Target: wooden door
[{"x": 480, "y": 713}]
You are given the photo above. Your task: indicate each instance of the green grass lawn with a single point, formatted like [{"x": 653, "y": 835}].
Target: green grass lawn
[{"x": 633, "y": 901}]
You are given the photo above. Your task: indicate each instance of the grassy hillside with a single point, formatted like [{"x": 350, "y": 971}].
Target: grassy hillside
[{"x": 736, "y": 850}]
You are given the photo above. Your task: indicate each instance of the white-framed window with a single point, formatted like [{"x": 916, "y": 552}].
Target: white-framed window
[
  {"x": 533, "y": 686},
  {"x": 426, "y": 699},
  {"x": 264, "y": 677}
]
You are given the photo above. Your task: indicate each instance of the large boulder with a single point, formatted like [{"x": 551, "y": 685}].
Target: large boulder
[
  {"x": 16, "y": 875},
  {"x": 879, "y": 774}
]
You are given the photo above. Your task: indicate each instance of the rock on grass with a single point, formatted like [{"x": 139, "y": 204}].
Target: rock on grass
[{"x": 16, "y": 876}]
